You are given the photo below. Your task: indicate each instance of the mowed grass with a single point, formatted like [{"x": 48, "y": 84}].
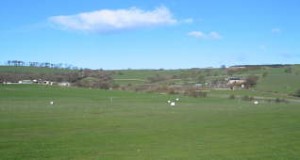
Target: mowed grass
[{"x": 113, "y": 125}]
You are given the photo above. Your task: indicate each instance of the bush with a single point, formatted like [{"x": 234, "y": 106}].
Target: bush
[
  {"x": 277, "y": 100},
  {"x": 248, "y": 98},
  {"x": 288, "y": 70},
  {"x": 251, "y": 81},
  {"x": 264, "y": 75},
  {"x": 202, "y": 94},
  {"x": 297, "y": 93},
  {"x": 281, "y": 100},
  {"x": 195, "y": 93},
  {"x": 232, "y": 96},
  {"x": 172, "y": 91}
]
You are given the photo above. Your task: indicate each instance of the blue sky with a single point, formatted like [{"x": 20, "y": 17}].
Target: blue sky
[{"x": 150, "y": 34}]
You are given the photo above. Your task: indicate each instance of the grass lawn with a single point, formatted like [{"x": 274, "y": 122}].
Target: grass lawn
[{"x": 97, "y": 124}]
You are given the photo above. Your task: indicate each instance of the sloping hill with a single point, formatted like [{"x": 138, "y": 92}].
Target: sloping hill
[{"x": 279, "y": 79}]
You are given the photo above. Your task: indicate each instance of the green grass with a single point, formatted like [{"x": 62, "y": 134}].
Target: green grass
[
  {"x": 280, "y": 83},
  {"x": 135, "y": 78},
  {"x": 25, "y": 69},
  {"x": 97, "y": 124},
  {"x": 144, "y": 74}
]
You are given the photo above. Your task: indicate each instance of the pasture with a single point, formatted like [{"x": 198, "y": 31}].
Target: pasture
[{"x": 117, "y": 125}]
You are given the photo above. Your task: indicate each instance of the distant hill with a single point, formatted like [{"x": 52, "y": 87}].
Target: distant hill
[
  {"x": 275, "y": 78},
  {"x": 262, "y": 65}
]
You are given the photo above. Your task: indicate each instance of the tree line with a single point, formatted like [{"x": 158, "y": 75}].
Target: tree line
[{"x": 19, "y": 63}]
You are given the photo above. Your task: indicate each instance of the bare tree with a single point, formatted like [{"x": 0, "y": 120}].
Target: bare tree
[
  {"x": 251, "y": 81},
  {"x": 9, "y": 62}
]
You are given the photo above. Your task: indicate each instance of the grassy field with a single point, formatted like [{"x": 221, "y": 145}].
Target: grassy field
[
  {"x": 280, "y": 83},
  {"x": 22, "y": 69},
  {"x": 113, "y": 125}
]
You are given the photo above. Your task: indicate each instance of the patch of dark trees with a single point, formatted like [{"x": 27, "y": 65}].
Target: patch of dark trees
[{"x": 19, "y": 63}]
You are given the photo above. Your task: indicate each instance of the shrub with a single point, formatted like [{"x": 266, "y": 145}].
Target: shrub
[
  {"x": 172, "y": 91},
  {"x": 281, "y": 100},
  {"x": 115, "y": 86},
  {"x": 232, "y": 96},
  {"x": 202, "y": 94},
  {"x": 297, "y": 93},
  {"x": 264, "y": 75},
  {"x": 248, "y": 98},
  {"x": 251, "y": 81},
  {"x": 288, "y": 70},
  {"x": 195, "y": 93}
]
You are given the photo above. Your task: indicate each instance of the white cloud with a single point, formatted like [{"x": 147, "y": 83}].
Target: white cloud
[
  {"x": 205, "y": 36},
  {"x": 114, "y": 20},
  {"x": 276, "y": 30},
  {"x": 214, "y": 36},
  {"x": 197, "y": 34},
  {"x": 188, "y": 20}
]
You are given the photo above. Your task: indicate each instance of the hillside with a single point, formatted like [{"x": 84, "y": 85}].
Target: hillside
[
  {"x": 280, "y": 80},
  {"x": 276, "y": 80}
]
